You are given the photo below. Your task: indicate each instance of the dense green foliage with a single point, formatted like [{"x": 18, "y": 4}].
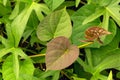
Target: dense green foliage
[{"x": 41, "y": 39}]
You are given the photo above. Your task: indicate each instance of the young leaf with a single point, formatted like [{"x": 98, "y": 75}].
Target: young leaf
[
  {"x": 11, "y": 68},
  {"x": 40, "y": 9},
  {"x": 56, "y": 24},
  {"x": 78, "y": 17},
  {"x": 95, "y": 15},
  {"x": 8, "y": 69},
  {"x": 15, "y": 11},
  {"x": 112, "y": 61},
  {"x": 53, "y": 4},
  {"x": 60, "y": 53},
  {"x": 19, "y": 23},
  {"x": 77, "y": 2},
  {"x": 110, "y": 76},
  {"x": 114, "y": 10}
]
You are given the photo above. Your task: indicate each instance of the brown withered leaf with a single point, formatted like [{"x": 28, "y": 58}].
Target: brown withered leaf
[
  {"x": 60, "y": 53},
  {"x": 93, "y": 33}
]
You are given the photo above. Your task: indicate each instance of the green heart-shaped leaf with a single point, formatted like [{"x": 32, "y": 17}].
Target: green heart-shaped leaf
[{"x": 56, "y": 24}]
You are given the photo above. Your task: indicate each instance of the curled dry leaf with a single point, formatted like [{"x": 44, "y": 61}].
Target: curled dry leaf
[
  {"x": 60, "y": 53},
  {"x": 94, "y": 33}
]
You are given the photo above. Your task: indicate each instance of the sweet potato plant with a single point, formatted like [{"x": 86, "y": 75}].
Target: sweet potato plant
[{"x": 59, "y": 39}]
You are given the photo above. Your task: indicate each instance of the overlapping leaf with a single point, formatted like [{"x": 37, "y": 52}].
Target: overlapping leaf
[
  {"x": 99, "y": 53},
  {"x": 19, "y": 23},
  {"x": 11, "y": 68},
  {"x": 107, "y": 56},
  {"x": 79, "y": 29},
  {"x": 112, "y": 61},
  {"x": 114, "y": 10},
  {"x": 112, "y": 7},
  {"x": 60, "y": 53}
]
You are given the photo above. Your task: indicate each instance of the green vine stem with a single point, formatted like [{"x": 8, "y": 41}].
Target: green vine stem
[
  {"x": 79, "y": 60},
  {"x": 37, "y": 55},
  {"x": 82, "y": 46}
]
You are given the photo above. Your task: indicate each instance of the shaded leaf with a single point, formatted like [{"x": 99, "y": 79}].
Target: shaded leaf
[
  {"x": 112, "y": 61},
  {"x": 111, "y": 28},
  {"x": 15, "y": 11},
  {"x": 53, "y": 73},
  {"x": 77, "y": 78},
  {"x": 5, "y": 10},
  {"x": 43, "y": 75},
  {"x": 118, "y": 75},
  {"x": 56, "y": 24},
  {"x": 31, "y": 26},
  {"x": 95, "y": 15},
  {"x": 114, "y": 10},
  {"x": 27, "y": 1},
  {"x": 60, "y": 53},
  {"x": 98, "y": 77}
]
